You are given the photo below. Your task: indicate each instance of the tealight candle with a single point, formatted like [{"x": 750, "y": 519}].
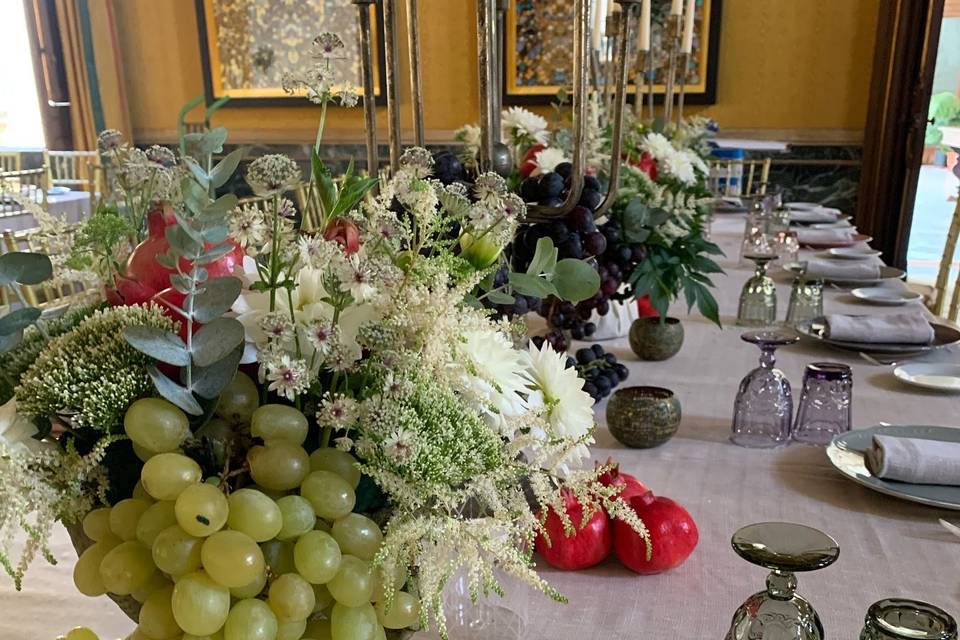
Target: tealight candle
[{"x": 687, "y": 42}]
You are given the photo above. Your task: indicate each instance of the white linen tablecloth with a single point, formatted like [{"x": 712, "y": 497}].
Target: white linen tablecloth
[
  {"x": 888, "y": 547},
  {"x": 72, "y": 206}
]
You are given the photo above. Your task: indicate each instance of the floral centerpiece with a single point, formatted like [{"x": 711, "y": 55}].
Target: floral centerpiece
[{"x": 305, "y": 434}]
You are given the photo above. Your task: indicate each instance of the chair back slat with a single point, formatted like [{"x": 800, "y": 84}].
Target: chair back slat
[
  {"x": 10, "y": 161},
  {"x": 27, "y": 183},
  {"x": 71, "y": 169},
  {"x": 308, "y": 201},
  {"x": 754, "y": 176},
  {"x": 47, "y": 294}
]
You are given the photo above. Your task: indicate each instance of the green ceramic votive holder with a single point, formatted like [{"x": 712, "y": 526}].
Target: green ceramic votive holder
[
  {"x": 643, "y": 417},
  {"x": 656, "y": 339}
]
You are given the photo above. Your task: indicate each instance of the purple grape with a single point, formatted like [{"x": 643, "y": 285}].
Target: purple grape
[
  {"x": 551, "y": 185},
  {"x": 580, "y": 218},
  {"x": 595, "y": 244},
  {"x": 564, "y": 169},
  {"x": 589, "y": 329},
  {"x": 590, "y": 199},
  {"x": 530, "y": 190},
  {"x": 610, "y": 286},
  {"x": 591, "y": 183}
]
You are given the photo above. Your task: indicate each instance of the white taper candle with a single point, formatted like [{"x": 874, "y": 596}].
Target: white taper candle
[
  {"x": 644, "y": 39},
  {"x": 676, "y": 6},
  {"x": 686, "y": 45}
]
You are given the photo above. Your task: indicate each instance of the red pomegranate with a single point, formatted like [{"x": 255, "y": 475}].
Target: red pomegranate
[
  {"x": 646, "y": 309},
  {"x": 590, "y": 545},
  {"x": 615, "y": 478},
  {"x": 647, "y": 164},
  {"x": 673, "y": 535}
]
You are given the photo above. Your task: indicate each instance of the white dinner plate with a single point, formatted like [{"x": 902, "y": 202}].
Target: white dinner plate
[
  {"x": 939, "y": 376},
  {"x": 803, "y": 206},
  {"x": 852, "y": 253},
  {"x": 888, "y": 296},
  {"x": 886, "y": 273}
]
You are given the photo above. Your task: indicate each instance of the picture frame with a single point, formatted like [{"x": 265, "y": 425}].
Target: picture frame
[
  {"x": 538, "y": 38},
  {"x": 256, "y": 40}
]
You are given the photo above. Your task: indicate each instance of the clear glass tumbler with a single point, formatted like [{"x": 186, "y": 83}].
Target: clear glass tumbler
[
  {"x": 900, "y": 619},
  {"x": 826, "y": 403},
  {"x": 758, "y": 299},
  {"x": 763, "y": 409}
]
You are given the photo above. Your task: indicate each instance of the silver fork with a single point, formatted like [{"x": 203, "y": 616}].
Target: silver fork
[{"x": 876, "y": 361}]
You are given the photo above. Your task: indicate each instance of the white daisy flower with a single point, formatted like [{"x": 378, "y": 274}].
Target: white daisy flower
[
  {"x": 519, "y": 126},
  {"x": 495, "y": 374},
  {"x": 16, "y": 430},
  {"x": 547, "y": 160}
]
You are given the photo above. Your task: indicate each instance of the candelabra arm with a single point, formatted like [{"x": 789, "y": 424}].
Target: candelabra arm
[
  {"x": 393, "y": 97},
  {"x": 416, "y": 83},
  {"x": 623, "y": 42},
  {"x": 486, "y": 39},
  {"x": 673, "y": 42},
  {"x": 369, "y": 99}
]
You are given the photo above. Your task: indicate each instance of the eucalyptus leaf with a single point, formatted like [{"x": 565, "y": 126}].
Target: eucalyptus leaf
[
  {"x": 200, "y": 274},
  {"x": 180, "y": 282},
  {"x": 195, "y": 197},
  {"x": 215, "y": 234},
  {"x": 218, "y": 296},
  {"x": 471, "y": 300},
  {"x": 181, "y": 242},
  {"x": 225, "y": 168},
  {"x": 575, "y": 280},
  {"x": 212, "y": 141},
  {"x": 158, "y": 344},
  {"x": 166, "y": 260},
  {"x": 18, "y": 320},
  {"x": 220, "y": 207},
  {"x": 215, "y": 253},
  {"x": 24, "y": 267},
  {"x": 208, "y": 382},
  {"x": 187, "y": 228},
  {"x": 544, "y": 258},
  {"x": 499, "y": 297},
  {"x": 216, "y": 340},
  {"x": 201, "y": 176},
  {"x": 173, "y": 392},
  {"x": 531, "y": 285}
]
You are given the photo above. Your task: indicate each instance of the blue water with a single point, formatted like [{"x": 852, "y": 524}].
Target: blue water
[{"x": 932, "y": 212}]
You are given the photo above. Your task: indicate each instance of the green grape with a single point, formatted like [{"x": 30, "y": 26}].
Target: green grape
[
  {"x": 238, "y": 400},
  {"x": 357, "y": 535},
  {"x": 353, "y": 623},
  {"x": 82, "y": 633},
  {"x": 318, "y": 629},
  {"x": 331, "y": 496},
  {"x": 340, "y": 462},
  {"x": 126, "y": 568},
  {"x": 254, "y": 514},
  {"x": 317, "y": 557},
  {"x": 155, "y": 424},
  {"x": 140, "y": 493},
  {"x": 381, "y": 633},
  {"x": 273, "y": 422},
  {"x": 250, "y": 620},
  {"x": 96, "y": 524},
  {"x": 404, "y": 611},
  {"x": 124, "y": 516},
  {"x": 278, "y": 555},
  {"x": 156, "y": 581},
  {"x": 291, "y": 630},
  {"x": 353, "y": 584},
  {"x": 155, "y": 519},
  {"x": 200, "y": 605},
  {"x": 86, "y": 573},
  {"x": 322, "y": 597},
  {"x": 156, "y": 616},
  {"x": 201, "y": 509},
  {"x": 291, "y": 598},
  {"x": 142, "y": 452},
  {"x": 219, "y": 433},
  {"x": 296, "y": 515},
  {"x": 273, "y": 494},
  {"x": 399, "y": 577},
  {"x": 176, "y": 552},
  {"x": 213, "y": 636},
  {"x": 251, "y": 590},
  {"x": 166, "y": 475},
  {"x": 278, "y": 465},
  {"x": 232, "y": 558}
]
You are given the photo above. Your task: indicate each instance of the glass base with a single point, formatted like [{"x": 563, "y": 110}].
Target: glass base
[
  {"x": 481, "y": 621},
  {"x": 756, "y": 441},
  {"x": 816, "y": 437}
]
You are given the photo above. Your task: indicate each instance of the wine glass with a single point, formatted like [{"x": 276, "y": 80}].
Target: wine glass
[
  {"x": 763, "y": 408},
  {"x": 778, "y": 613},
  {"x": 758, "y": 299}
]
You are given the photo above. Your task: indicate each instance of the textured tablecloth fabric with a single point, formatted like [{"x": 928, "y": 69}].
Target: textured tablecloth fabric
[
  {"x": 909, "y": 327},
  {"x": 888, "y": 547},
  {"x": 915, "y": 460}
]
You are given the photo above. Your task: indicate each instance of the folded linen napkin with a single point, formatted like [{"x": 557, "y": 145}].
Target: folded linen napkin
[
  {"x": 840, "y": 235},
  {"x": 914, "y": 460},
  {"x": 899, "y": 328},
  {"x": 820, "y": 214},
  {"x": 843, "y": 270}
]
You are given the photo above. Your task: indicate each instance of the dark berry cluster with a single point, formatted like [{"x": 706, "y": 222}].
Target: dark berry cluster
[{"x": 600, "y": 369}]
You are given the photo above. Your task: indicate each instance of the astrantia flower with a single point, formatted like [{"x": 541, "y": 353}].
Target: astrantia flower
[
  {"x": 16, "y": 430},
  {"x": 328, "y": 45},
  {"x": 400, "y": 446},
  {"x": 109, "y": 139},
  {"x": 418, "y": 161},
  {"x": 273, "y": 174},
  {"x": 568, "y": 408},
  {"x": 520, "y": 127},
  {"x": 546, "y": 161},
  {"x": 323, "y": 337},
  {"x": 348, "y": 97},
  {"x": 247, "y": 226},
  {"x": 490, "y": 188},
  {"x": 337, "y": 412},
  {"x": 161, "y": 156},
  {"x": 356, "y": 278},
  {"x": 277, "y": 326},
  {"x": 288, "y": 376}
]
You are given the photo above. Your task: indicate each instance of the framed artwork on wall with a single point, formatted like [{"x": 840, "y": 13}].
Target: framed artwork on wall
[
  {"x": 247, "y": 45},
  {"x": 539, "y": 38}
]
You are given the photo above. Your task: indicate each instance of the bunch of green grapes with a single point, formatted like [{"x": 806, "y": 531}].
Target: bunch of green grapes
[{"x": 283, "y": 558}]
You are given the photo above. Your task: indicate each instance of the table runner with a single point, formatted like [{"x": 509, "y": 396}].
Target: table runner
[{"x": 888, "y": 547}]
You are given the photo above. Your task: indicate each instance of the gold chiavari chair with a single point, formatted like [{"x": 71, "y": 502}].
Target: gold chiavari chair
[
  {"x": 26, "y": 183},
  {"x": 308, "y": 202},
  {"x": 194, "y": 127},
  {"x": 755, "y": 171},
  {"x": 938, "y": 299},
  {"x": 72, "y": 169},
  {"x": 48, "y": 294},
  {"x": 10, "y": 161}
]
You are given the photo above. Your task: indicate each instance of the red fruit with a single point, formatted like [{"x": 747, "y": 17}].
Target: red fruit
[
  {"x": 647, "y": 164},
  {"x": 646, "y": 309},
  {"x": 590, "y": 544},
  {"x": 127, "y": 292},
  {"x": 345, "y": 234},
  {"x": 615, "y": 478},
  {"x": 673, "y": 535},
  {"x": 529, "y": 163}
]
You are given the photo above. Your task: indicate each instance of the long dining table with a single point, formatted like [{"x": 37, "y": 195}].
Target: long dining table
[{"x": 888, "y": 547}]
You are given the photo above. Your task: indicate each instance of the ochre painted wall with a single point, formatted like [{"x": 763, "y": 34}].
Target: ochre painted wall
[{"x": 794, "y": 69}]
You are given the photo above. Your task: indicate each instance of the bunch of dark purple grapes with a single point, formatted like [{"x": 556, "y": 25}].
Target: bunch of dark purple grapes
[{"x": 600, "y": 369}]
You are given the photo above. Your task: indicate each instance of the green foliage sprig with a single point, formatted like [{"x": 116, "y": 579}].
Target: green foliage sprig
[{"x": 19, "y": 268}]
